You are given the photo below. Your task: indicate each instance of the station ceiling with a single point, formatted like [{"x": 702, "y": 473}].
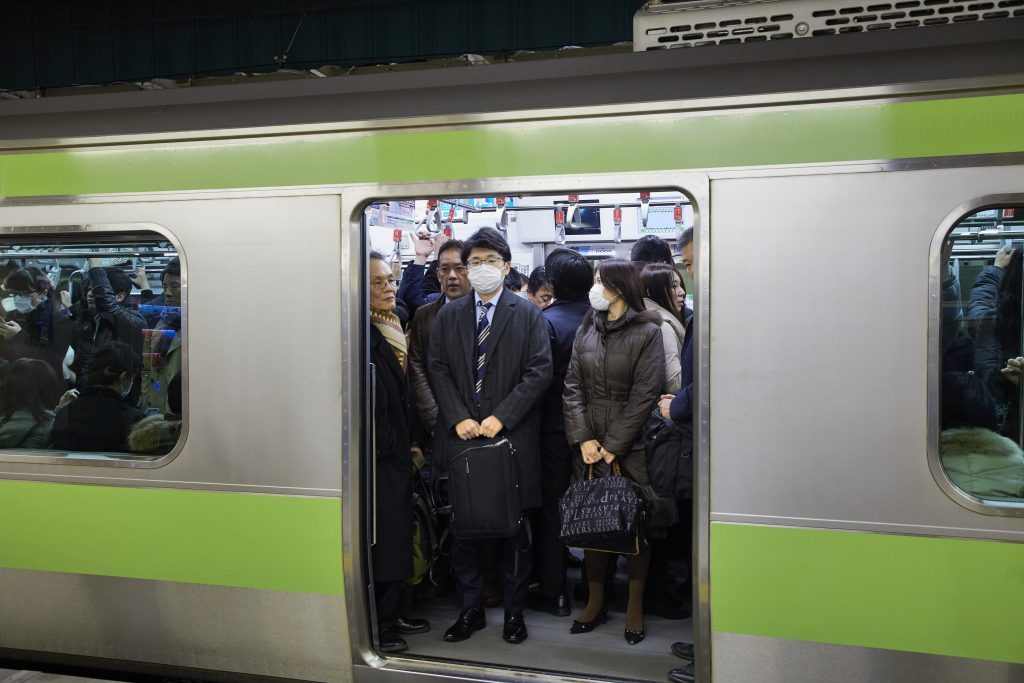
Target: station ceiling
[{"x": 62, "y": 43}]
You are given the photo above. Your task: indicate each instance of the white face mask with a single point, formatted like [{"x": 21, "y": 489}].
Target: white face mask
[
  {"x": 597, "y": 299},
  {"x": 23, "y": 304},
  {"x": 485, "y": 279}
]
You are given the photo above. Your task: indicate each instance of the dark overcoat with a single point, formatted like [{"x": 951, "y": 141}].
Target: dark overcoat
[
  {"x": 392, "y": 554},
  {"x": 419, "y": 336},
  {"x": 516, "y": 375}
]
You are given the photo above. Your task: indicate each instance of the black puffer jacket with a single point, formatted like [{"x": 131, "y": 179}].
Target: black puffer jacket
[{"x": 613, "y": 383}]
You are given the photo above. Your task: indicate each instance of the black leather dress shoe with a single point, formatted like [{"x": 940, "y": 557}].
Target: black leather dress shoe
[
  {"x": 471, "y": 619},
  {"x": 515, "y": 629},
  {"x": 409, "y": 626},
  {"x": 390, "y": 641},
  {"x": 682, "y": 675},
  {"x": 683, "y": 650},
  {"x": 558, "y": 606}
]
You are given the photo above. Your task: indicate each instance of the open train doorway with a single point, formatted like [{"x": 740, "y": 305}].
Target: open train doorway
[{"x": 475, "y": 305}]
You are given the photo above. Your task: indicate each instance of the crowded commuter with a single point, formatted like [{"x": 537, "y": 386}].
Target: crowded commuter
[
  {"x": 411, "y": 289},
  {"x": 516, "y": 282},
  {"x": 157, "y": 434},
  {"x": 664, "y": 294},
  {"x": 538, "y": 288},
  {"x": 455, "y": 283},
  {"x": 37, "y": 327},
  {"x": 101, "y": 418},
  {"x": 30, "y": 392},
  {"x": 613, "y": 382},
  {"x": 570, "y": 277},
  {"x": 490, "y": 364},
  {"x": 651, "y": 249},
  {"x": 394, "y": 440},
  {"x": 977, "y": 459},
  {"x": 107, "y": 317},
  {"x": 163, "y": 339}
]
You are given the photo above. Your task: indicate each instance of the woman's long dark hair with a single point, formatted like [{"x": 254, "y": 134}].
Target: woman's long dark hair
[
  {"x": 28, "y": 384},
  {"x": 659, "y": 282},
  {"x": 621, "y": 277},
  {"x": 109, "y": 362},
  {"x": 1008, "y": 306}
]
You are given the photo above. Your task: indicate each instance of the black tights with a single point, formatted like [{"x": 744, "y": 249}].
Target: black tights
[{"x": 636, "y": 569}]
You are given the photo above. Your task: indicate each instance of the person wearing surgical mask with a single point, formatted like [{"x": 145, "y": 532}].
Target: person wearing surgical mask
[
  {"x": 101, "y": 418},
  {"x": 614, "y": 380},
  {"x": 35, "y": 326},
  {"x": 490, "y": 364}
]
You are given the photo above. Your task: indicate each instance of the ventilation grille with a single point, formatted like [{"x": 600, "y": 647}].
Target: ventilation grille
[{"x": 663, "y": 24}]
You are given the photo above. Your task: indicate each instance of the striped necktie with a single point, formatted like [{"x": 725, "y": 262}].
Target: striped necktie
[{"x": 483, "y": 331}]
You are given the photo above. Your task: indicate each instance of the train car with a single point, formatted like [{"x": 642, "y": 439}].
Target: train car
[{"x": 824, "y": 178}]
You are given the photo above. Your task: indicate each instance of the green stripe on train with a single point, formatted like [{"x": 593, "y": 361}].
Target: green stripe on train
[
  {"x": 281, "y": 543},
  {"x": 940, "y": 596},
  {"x": 797, "y": 135}
]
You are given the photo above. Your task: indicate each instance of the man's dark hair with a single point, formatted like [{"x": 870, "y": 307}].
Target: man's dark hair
[
  {"x": 622, "y": 277},
  {"x": 26, "y": 280},
  {"x": 685, "y": 238},
  {"x": 514, "y": 280},
  {"x": 571, "y": 276},
  {"x": 120, "y": 283},
  {"x": 651, "y": 249},
  {"x": 173, "y": 267},
  {"x": 109, "y": 361},
  {"x": 538, "y": 278},
  {"x": 377, "y": 256},
  {"x": 487, "y": 238},
  {"x": 451, "y": 244}
]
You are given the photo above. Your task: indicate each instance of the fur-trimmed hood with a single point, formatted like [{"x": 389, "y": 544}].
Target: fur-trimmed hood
[
  {"x": 154, "y": 435},
  {"x": 983, "y": 463}
]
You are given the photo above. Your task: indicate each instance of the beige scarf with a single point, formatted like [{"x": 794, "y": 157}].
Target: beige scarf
[{"x": 388, "y": 324}]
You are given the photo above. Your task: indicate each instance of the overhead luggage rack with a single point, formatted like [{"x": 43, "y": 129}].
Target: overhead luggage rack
[{"x": 665, "y": 24}]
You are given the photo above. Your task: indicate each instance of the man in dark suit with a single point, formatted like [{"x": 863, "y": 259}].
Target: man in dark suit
[
  {"x": 451, "y": 273},
  {"x": 490, "y": 364}
]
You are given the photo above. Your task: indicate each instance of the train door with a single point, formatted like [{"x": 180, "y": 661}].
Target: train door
[{"x": 402, "y": 230}]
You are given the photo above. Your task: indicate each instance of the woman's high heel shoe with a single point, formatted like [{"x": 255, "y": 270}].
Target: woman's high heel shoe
[
  {"x": 588, "y": 626},
  {"x": 634, "y": 637}
]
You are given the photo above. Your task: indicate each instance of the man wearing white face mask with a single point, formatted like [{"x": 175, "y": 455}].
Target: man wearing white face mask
[
  {"x": 36, "y": 328},
  {"x": 490, "y": 364}
]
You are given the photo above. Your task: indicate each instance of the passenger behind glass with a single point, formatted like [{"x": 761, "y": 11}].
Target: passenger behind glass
[
  {"x": 36, "y": 328},
  {"x": 612, "y": 385},
  {"x": 30, "y": 392},
  {"x": 651, "y": 249},
  {"x": 571, "y": 277},
  {"x": 451, "y": 274},
  {"x": 664, "y": 294},
  {"x": 538, "y": 288},
  {"x": 395, "y": 427},
  {"x": 162, "y": 343},
  {"x": 994, "y": 311},
  {"x": 157, "y": 434},
  {"x": 412, "y": 290},
  {"x": 977, "y": 459},
  {"x": 107, "y": 317},
  {"x": 100, "y": 419},
  {"x": 957, "y": 344}
]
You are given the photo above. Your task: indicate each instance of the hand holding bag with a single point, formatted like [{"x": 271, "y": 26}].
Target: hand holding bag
[{"x": 602, "y": 514}]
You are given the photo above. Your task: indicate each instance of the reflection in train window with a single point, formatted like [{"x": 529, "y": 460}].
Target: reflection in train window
[
  {"x": 982, "y": 417},
  {"x": 90, "y": 345}
]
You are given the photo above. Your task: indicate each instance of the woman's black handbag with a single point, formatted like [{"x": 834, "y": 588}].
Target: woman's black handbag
[{"x": 603, "y": 513}]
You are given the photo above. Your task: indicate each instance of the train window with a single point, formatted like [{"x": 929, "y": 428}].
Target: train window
[
  {"x": 982, "y": 357},
  {"x": 90, "y": 345}
]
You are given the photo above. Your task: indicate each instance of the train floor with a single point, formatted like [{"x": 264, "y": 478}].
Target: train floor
[{"x": 603, "y": 652}]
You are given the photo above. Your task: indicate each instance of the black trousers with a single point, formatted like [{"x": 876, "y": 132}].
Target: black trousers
[
  {"x": 556, "y": 470},
  {"x": 468, "y": 563},
  {"x": 386, "y": 595}
]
